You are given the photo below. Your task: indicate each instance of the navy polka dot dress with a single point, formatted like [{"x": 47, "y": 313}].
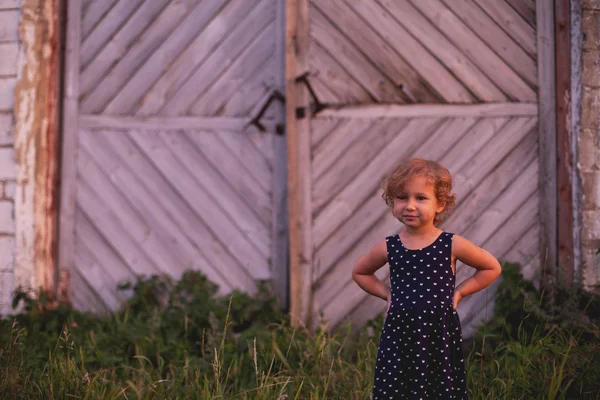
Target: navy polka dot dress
[{"x": 420, "y": 354}]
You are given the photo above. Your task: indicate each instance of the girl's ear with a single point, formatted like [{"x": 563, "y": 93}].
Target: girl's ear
[{"x": 440, "y": 207}]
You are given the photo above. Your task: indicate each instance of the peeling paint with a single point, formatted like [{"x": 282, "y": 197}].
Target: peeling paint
[{"x": 35, "y": 146}]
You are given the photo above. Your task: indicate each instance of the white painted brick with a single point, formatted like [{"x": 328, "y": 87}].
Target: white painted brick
[
  {"x": 9, "y": 25},
  {"x": 6, "y": 290},
  {"x": 8, "y": 170},
  {"x": 6, "y": 130},
  {"x": 7, "y": 250},
  {"x": 9, "y": 190},
  {"x": 7, "y": 93},
  {"x": 8, "y": 58},
  {"x": 7, "y": 222}
]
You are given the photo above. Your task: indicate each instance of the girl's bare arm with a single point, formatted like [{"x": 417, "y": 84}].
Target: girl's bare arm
[
  {"x": 488, "y": 268},
  {"x": 364, "y": 270}
]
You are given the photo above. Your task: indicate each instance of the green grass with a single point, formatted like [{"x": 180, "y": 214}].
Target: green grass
[{"x": 179, "y": 340}]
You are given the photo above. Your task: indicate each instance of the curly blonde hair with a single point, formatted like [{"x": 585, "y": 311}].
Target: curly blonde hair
[{"x": 435, "y": 173}]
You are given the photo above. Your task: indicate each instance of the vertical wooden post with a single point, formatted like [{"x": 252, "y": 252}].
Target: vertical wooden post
[
  {"x": 70, "y": 133},
  {"x": 298, "y": 146},
  {"x": 547, "y": 133},
  {"x": 36, "y": 146},
  {"x": 564, "y": 159}
]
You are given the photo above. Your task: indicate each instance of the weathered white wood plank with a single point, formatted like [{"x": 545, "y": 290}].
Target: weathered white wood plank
[
  {"x": 335, "y": 144},
  {"x": 248, "y": 64},
  {"x": 242, "y": 101},
  {"x": 97, "y": 36},
  {"x": 117, "y": 46},
  {"x": 512, "y": 23},
  {"x": 239, "y": 213},
  {"x": 154, "y": 243},
  {"x": 109, "y": 269},
  {"x": 526, "y": 9},
  {"x": 179, "y": 71},
  {"x": 321, "y": 128},
  {"x": 321, "y": 88},
  {"x": 233, "y": 172},
  {"x": 209, "y": 209},
  {"x": 9, "y": 25},
  {"x": 6, "y": 128},
  {"x": 9, "y": 60},
  {"x": 98, "y": 11},
  {"x": 350, "y": 232},
  {"x": 494, "y": 37},
  {"x": 245, "y": 151},
  {"x": 335, "y": 177},
  {"x": 159, "y": 60},
  {"x": 89, "y": 121},
  {"x": 376, "y": 49},
  {"x": 7, "y": 93},
  {"x": 262, "y": 142},
  {"x": 355, "y": 63},
  {"x": 431, "y": 110},
  {"x": 323, "y": 66},
  {"x": 477, "y": 137},
  {"x": 255, "y": 24},
  {"x": 444, "y": 50},
  {"x": 114, "y": 230},
  {"x": 547, "y": 130},
  {"x": 84, "y": 297},
  {"x": 139, "y": 52},
  {"x": 425, "y": 63},
  {"x": 346, "y": 202},
  {"x": 175, "y": 216},
  {"x": 479, "y": 52}
]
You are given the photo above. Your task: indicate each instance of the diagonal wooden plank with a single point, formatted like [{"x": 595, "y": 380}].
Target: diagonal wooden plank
[
  {"x": 326, "y": 68},
  {"x": 344, "y": 205},
  {"x": 101, "y": 201},
  {"x": 321, "y": 88},
  {"x": 428, "y": 66},
  {"x": 134, "y": 88},
  {"x": 233, "y": 172},
  {"x": 526, "y": 9},
  {"x": 351, "y": 231},
  {"x": 117, "y": 45},
  {"x": 377, "y": 50},
  {"x": 175, "y": 215},
  {"x": 336, "y": 176},
  {"x": 512, "y": 23},
  {"x": 242, "y": 102},
  {"x": 139, "y": 52},
  {"x": 83, "y": 294},
  {"x": 353, "y": 61},
  {"x": 321, "y": 128},
  {"x": 334, "y": 145},
  {"x": 255, "y": 23},
  {"x": 95, "y": 12},
  {"x": 480, "y": 54},
  {"x": 494, "y": 37},
  {"x": 96, "y": 39},
  {"x": 178, "y": 72},
  {"x": 245, "y": 68},
  {"x": 444, "y": 50},
  {"x": 240, "y": 214},
  {"x": 330, "y": 284},
  {"x": 185, "y": 183},
  {"x": 255, "y": 162}
]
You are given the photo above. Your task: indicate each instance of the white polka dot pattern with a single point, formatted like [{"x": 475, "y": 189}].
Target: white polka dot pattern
[{"x": 420, "y": 354}]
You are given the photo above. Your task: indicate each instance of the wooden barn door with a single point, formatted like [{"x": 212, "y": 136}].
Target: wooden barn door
[
  {"x": 172, "y": 159},
  {"x": 378, "y": 82}
]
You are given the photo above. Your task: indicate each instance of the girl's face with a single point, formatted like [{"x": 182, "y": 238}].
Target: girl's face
[{"x": 417, "y": 205}]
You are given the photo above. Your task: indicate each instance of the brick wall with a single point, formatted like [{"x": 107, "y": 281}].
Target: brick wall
[
  {"x": 589, "y": 142},
  {"x": 9, "y": 52}
]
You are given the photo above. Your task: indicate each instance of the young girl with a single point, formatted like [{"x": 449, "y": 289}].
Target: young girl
[{"x": 420, "y": 354}]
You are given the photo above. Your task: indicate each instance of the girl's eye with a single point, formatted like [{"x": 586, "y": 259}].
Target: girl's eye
[{"x": 422, "y": 198}]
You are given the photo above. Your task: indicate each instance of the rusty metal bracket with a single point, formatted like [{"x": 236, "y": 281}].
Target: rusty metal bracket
[
  {"x": 316, "y": 104},
  {"x": 275, "y": 95}
]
